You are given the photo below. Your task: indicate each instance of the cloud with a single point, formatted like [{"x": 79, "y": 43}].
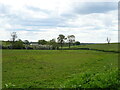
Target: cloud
[
  {"x": 46, "y": 20},
  {"x": 37, "y": 9},
  {"x": 94, "y": 7}
]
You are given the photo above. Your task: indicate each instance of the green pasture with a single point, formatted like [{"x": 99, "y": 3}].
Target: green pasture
[
  {"x": 108, "y": 47},
  {"x": 59, "y": 69}
]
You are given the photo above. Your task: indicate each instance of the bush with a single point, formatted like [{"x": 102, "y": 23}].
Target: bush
[
  {"x": 108, "y": 79},
  {"x": 4, "y": 47},
  {"x": 18, "y": 45}
]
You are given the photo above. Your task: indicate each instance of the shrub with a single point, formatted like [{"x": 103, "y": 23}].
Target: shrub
[{"x": 108, "y": 79}]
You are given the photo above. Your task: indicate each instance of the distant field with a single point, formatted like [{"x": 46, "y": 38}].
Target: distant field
[
  {"x": 108, "y": 47},
  {"x": 60, "y": 68}
]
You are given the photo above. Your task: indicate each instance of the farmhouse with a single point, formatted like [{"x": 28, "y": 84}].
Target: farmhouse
[{"x": 34, "y": 43}]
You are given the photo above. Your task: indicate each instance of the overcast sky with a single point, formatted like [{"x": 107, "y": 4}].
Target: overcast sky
[{"x": 33, "y": 20}]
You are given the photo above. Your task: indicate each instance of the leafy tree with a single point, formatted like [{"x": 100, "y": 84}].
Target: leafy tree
[
  {"x": 77, "y": 43},
  {"x": 71, "y": 39},
  {"x": 61, "y": 39},
  {"x": 53, "y": 43},
  {"x": 42, "y": 42},
  {"x": 26, "y": 42},
  {"x": 18, "y": 44},
  {"x": 13, "y": 38}
]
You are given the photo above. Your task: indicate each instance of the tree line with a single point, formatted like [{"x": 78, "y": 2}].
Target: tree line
[{"x": 61, "y": 42}]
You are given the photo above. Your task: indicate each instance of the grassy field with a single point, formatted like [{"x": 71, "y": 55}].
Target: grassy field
[
  {"x": 59, "y": 69},
  {"x": 107, "y": 47}
]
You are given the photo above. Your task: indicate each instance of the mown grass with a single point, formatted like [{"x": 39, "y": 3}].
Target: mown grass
[{"x": 59, "y": 69}]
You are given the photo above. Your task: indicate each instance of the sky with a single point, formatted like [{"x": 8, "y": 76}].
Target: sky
[{"x": 33, "y": 20}]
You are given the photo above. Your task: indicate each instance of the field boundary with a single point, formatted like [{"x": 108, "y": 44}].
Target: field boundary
[{"x": 90, "y": 49}]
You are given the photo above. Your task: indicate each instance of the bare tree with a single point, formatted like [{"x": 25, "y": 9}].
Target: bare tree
[
  {"x": 108, "y": 40},
  {"x": 71, "y": 39}
]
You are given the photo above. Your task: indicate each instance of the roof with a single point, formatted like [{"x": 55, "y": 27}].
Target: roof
[{"x": 33, "y": 42}]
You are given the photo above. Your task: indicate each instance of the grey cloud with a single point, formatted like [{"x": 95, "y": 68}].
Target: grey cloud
[
  {"x": 4, "y": 9},
  {"x": 94, "y": 7},
  {"x": 50, "y": 22},
  {"x": 36, "y": 9}
]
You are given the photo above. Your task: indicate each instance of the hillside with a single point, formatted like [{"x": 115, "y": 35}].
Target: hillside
[{"x": 106, "y": 47}]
